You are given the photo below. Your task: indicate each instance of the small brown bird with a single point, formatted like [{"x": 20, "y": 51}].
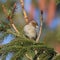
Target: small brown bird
[{"x": 30, "y": 30}]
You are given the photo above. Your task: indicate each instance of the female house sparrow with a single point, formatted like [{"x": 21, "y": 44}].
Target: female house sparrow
[{"x": 30, "y": 30}]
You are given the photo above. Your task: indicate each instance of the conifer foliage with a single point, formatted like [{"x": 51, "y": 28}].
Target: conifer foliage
[{"x": 23, "y": 48}]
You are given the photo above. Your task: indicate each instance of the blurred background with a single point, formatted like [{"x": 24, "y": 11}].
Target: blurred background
[{"x": 51, "y": 19}]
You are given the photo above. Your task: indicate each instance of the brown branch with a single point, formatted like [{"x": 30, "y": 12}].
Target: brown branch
[
  {"x": 9, "y": 18},
  {"x": 28, "y": 57},
  {"x": 13, "y": 10},
  {"x": 14, "y": 7},
  {"x": 36, "y": 54},
  {"x": 24, "y": 12},
  {"x": 13, "y": 25},
  {"x": 40, "y": 31},
  {"x": 5, "y": 10}
]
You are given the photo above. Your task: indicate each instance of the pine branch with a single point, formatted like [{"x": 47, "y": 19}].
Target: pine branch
[
  {"x": 5, "y": 10},
  {"x": 28, "y": 57},
  {"x": 21, "y": 45},
  {"x": 13, "y": 10},
  {"x": 40, "y": 31},
  {"x": 20, "y": 51},
  {"x": 57, "y": 57},
  {"x": 10, "y": 32},
  {"x": 10, "y": 17}
]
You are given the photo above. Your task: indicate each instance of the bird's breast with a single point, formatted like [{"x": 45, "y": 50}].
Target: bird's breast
[{"x": 30, "y": 31}]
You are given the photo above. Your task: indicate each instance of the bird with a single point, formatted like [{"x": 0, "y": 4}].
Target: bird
[{"x": 31, "y": 30}]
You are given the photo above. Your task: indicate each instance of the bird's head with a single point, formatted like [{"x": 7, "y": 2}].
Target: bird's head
[{"x": 33, "y": 23}]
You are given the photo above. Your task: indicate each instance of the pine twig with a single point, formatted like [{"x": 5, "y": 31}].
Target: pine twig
[
  {"x": 5, "y": 10},
  {"x": 40, "y": 30},
  {"x": 13, "y": 10},
  {"x": 28, "y": 57},
  {"x": 14, "y": 7},
  {"x": 24, "y": 12},
  {"x": 36, "y": 54},
  {"x": 10, "y": 18}
]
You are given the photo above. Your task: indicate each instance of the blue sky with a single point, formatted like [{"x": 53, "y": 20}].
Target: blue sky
[
  {"x": 3, "y": 1},
  {"x": 7, "y": 39},
  {"x": 54, "y": 23}
]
